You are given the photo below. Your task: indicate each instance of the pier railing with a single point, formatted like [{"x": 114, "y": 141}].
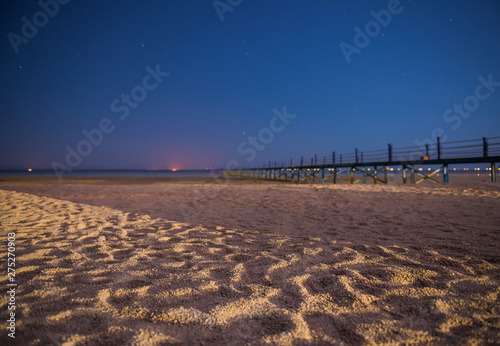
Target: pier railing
[{"x": 484, "y": 150}]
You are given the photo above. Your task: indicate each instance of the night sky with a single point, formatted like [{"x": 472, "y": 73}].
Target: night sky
[{"x": 184, "y": 84}]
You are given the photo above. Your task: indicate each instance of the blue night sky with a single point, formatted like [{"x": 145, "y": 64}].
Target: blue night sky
[{"x": 226, "y": 77}]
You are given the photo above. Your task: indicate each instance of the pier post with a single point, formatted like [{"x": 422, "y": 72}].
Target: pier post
[
  {"x": 375, "y": 178},
  {"x": 300, "y": 170},
  {"x": 313, "y": 169},
  {"x": 493, "y": 173},
  {"x": 322, "y": 175},
  {"x": 385, "y": 174},
  {"x": 412, "y": 174},
  {"x": 439, "y": 148},
  {"x": 404, "y": 174},
  {"x": 445, "y": 172},
  {"x": 364, "y": 174},
  {"x": 335, "y": 175}
]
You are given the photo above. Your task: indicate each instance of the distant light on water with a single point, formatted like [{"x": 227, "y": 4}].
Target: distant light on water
[
  {"x": 29, "y": 169},
  {"x": 174, "y": 169}
]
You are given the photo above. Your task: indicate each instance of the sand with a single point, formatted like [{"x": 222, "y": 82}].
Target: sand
[{"x": 247, "y": 263}]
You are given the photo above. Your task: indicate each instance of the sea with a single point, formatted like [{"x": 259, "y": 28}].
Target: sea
[{"x": 111, "y": 173}]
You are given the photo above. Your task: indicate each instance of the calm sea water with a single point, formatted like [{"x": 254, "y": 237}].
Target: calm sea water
[
  {"x": 111, "y": 173},
  {"x": 179, "y": 174}
]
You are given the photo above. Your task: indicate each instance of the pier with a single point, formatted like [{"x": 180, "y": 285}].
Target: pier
[{"x": 375, "y": 165}]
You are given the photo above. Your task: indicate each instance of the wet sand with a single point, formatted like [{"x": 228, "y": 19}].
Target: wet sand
[{"x": 192, "y": 262}]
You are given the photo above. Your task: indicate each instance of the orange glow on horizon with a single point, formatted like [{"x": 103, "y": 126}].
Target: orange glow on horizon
[
  {"x": 29, "y": 169},
  {"x": 174, "y": 169}
]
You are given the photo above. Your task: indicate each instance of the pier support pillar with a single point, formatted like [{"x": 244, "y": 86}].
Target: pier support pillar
[
  {"x": 404, "y": 174},
  {"x": 412, "y": 174},
  {"x": 493, "y": 173},
  {"x": 445, "y": 173},
  {"x": 335, "y": 175}
]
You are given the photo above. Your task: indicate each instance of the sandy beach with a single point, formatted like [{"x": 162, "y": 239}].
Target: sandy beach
[{"x": 197, "y": 263}]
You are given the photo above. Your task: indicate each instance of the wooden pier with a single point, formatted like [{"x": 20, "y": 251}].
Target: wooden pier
[{"x": 376, "y": 164}]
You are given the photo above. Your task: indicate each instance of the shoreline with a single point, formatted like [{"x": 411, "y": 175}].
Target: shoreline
[{"x": 113, "y": 180}]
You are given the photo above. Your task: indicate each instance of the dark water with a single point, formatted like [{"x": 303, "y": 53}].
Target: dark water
[{"x": 111, "y": 173}]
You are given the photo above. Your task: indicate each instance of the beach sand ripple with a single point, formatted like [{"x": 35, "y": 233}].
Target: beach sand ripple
[{"x": 258, "y": 264}]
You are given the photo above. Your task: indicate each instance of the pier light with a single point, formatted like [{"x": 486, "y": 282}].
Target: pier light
[
  {"x": 420, "y": 169},
  {"x": 29, "y": 169},
  {"x": 428, "y": 169},
  {"x": 368, "y": 169}
]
